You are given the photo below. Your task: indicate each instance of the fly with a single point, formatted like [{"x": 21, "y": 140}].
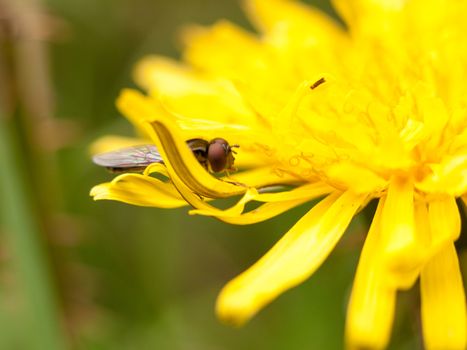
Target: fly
[{"x": 215, "y": 156}]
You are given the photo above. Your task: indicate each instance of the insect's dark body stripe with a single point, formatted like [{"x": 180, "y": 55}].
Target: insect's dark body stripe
[{"x": 199, "y": 147}]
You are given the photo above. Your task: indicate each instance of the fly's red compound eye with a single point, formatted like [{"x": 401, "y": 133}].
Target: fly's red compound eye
[{"x": 218, "y": 153}]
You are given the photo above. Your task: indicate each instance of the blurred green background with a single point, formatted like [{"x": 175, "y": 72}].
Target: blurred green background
[{"x": 80, "y": 274}]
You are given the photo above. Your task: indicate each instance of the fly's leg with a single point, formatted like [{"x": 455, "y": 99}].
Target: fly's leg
[{"x": 230, "y": 180}]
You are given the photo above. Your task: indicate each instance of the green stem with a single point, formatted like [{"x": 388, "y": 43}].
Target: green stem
[{"x": 43, "y": 327}]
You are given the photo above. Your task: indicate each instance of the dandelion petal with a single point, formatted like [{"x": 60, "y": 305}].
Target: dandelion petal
[
  {"x": 139, "y": 190},
  {"x": 402, "y": 242},
  {"x": 293, "y": 259},
  {"x": 371, "y": 307},
  {"x": 445, "y": 221},
  {"x": 443, "y": 302}
]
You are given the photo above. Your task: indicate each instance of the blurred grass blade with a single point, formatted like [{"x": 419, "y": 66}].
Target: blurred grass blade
[{"x": 42, "y": 328}]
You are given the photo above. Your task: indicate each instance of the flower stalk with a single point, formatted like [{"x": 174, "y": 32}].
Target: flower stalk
[
  {"x": 43, "y": 325},
  {"x": 42, "y": 322}
]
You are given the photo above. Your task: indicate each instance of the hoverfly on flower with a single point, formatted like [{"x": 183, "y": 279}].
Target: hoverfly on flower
[
  {"x": 215, "y": 156},
  {"x": 389, "y": 125}
]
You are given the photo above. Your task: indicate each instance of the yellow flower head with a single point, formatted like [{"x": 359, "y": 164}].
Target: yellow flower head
[{"x": 374, "y": 110}]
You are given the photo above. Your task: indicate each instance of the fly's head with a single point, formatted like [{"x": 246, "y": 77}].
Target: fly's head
[{"x": 221, "y": 155}]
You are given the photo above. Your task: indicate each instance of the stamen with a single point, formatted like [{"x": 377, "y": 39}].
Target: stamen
[{"x": 317, "y": 83}]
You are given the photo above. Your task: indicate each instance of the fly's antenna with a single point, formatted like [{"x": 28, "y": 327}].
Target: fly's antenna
[{"x": 233, "y": 146}]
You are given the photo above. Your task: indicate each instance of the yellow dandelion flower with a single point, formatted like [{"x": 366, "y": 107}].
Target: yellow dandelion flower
[{"x": 375, "y": 110}]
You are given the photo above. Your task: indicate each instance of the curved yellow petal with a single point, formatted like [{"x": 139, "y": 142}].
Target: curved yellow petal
[
  {"x": 297, "y": 195},
  {"x": 401, "y": 247},
  {"x": 234, "y": 211},
  {"x": 178, "y": 158},
  {"x": 293, "y": 259},
  {"x": 202, "y": 205},
  {"x": 156, "y": 168},
  {"x": 264, "y": 212},
  {"x": 444, "y": 316},
  {"x": 139, "y": 190},
  {"x": 194, "y": 199},
  {"x": 371, "y": 307}
]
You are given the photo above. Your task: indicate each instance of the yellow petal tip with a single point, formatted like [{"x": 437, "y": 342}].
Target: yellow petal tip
[{"x": 230, "y": 311}]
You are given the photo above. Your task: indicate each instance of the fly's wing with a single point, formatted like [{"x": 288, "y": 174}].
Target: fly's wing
[{"x": 129, "y": 158}]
